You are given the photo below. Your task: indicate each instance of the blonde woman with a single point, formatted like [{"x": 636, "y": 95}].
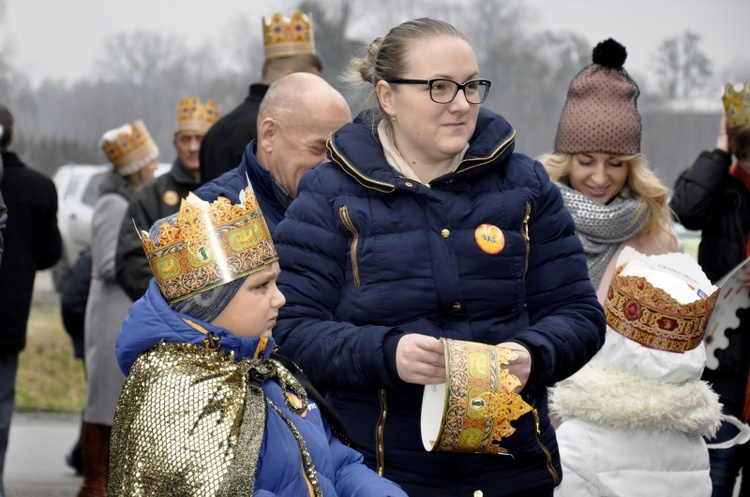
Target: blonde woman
[{"x": 615, "y": 198}]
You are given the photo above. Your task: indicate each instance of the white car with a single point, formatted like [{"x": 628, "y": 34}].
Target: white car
[{"x": 77, "y": 191}]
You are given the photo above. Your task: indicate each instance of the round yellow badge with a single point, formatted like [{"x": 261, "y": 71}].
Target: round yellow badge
[
  {"x": 489, "y": 238},
  {"x": 170, "y": 197}
]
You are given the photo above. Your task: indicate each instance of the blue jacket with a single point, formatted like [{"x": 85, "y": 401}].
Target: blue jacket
[
  {"x": 272, "y": 201},
  {"x": 339, "y": 468},
  {"x": 368, "y": 255}
]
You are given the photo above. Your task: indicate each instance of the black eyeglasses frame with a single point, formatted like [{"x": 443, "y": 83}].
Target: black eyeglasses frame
[{"x": 459, "y": 87}]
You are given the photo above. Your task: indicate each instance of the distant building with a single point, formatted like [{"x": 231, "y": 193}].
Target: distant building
[{"x": 677, "y": 131}]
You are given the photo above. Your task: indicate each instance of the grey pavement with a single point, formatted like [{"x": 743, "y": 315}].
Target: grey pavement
[{"x": 35, "y": 461}]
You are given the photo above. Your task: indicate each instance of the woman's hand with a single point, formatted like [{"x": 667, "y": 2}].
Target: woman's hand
[
  {"x": 521, "y": 366},
  {"x": 420, "y": 359},
  {"x": 722, "y": 142}
]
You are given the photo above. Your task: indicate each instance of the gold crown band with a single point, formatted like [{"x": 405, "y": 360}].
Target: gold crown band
[
  {"x": 287, "y": 38},
  {"x": 192, "y": 115},
  {"x": 650, "y": 316},
  {"x": 480, "y": 401},
  {"x": 737, "y": 104},
  {"x": 208, "y": 245}
]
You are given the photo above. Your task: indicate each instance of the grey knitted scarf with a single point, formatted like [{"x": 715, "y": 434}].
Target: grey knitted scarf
[{"x": 603, "y": 227}]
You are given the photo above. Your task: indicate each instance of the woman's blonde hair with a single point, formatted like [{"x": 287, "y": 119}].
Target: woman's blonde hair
[{"x": 642, "y": 181}]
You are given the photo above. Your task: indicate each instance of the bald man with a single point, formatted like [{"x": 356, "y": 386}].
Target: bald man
[{"x": 295, "y": 119}]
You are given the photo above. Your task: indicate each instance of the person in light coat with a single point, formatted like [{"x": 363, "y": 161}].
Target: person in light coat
[{"x": 133, "y": 155}]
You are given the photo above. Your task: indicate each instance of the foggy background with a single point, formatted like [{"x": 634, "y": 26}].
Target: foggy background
[{"x": 142, "y": 73}]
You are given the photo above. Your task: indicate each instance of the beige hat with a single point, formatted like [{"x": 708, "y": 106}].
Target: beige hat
[
  {"x": 600, "y": 114},
  {"x": 129, "y": 148}
]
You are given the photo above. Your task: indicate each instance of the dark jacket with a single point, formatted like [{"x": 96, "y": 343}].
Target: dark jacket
[
  {"x": 3, "y": 214},
  {"x": 73, "y": 298},
  {"x": 707, "y": 198},
  {"x": 155, "y": 200},
  {"x": 223, "y": 145},
  {"x": 32, "y": 242},
  {"x": 280, "y": 465},
  {"x": 368, "y": 255},
  {"x": 3, "y": 221},
  {"x": 273, "y": 202}
]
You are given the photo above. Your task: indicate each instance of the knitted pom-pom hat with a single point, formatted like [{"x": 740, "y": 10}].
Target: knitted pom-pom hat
[{"x": 600, "y": 114}]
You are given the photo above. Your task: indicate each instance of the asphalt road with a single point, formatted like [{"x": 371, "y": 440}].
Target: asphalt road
[{"x": 35, "y": 461}]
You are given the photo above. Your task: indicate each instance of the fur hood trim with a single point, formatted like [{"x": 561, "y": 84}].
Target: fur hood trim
[{"x": 623, "y": 400}]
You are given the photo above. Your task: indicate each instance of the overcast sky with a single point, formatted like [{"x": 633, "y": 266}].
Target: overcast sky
[{"x": 60, "y": 39}]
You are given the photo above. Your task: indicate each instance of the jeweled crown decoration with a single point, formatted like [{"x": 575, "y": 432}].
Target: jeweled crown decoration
[
  {"x": 288, "y": 37},
  {"x": 207, "y": 245},
  {"x": 652, "y": 317},
  {"x": 192, "y": 115},
  {"x": 129, "y": 147},
  {"x": 737, "y": 104}
]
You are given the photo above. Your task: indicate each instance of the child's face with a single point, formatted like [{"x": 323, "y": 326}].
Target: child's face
[{"x": 254, "y": 308}]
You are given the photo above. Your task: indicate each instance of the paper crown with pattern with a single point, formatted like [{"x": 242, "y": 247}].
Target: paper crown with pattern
[
  {"x": 192, "y": 115},
  {"x": 473, "y": 410},
  {"x": 288, "y": 37},
  {"x": 206, "y": 245},
  {"x": 129, "y": 147},
  {"x": 653, "y": 318},
  {"x": 737, "y": 104}
]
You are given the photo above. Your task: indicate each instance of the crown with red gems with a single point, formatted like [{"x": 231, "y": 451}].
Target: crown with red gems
[
  {"x": 737, "y": 104},
  {"x": 652, "y": 317},
  {"x": 192, "y": 115},
  {"x": 129, "y": 147},
  {"x": 288, "y": 37},
  {"x": 206, "y": 245}
]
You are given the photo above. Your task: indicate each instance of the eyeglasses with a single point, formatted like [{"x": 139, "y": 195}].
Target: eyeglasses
[{"x": 443, "y": 91}]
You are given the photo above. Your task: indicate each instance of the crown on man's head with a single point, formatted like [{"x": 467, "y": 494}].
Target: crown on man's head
[
  {"x": 737, "y": 104},
  {"x": 192, "y": 115},
  {"x": 652, "y": 317},
  {"x": 129, "y": 147},
  {"x": 206, "y": 245},
  {"x": 287, "y": 38}
]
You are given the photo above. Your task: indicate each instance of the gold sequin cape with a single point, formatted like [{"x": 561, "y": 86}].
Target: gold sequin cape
[
  {"x": 190, "y": 421},
  {"x": 224, "y": 409}
]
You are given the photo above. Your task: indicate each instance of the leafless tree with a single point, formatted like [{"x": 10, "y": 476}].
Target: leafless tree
[
  {"x": 736, "y": 73},
  {"x": 682, "y": 68}
]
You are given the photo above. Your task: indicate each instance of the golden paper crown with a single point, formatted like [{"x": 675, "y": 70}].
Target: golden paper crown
[
  {"x": 129, "y": 147},
  {"x": 194, "y": 116},
  {"x": 287, "y": 38},
  {"x": 207, "y": 245},
  {"x": 479, "y": 401},
  {"x": 652, "y": 317},
  {"x": 737, "y": 104}
]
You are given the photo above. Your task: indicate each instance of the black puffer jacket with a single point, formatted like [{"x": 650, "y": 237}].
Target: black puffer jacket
[{"x": 707, "y": 198}]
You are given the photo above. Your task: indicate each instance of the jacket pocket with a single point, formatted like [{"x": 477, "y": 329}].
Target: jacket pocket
[
  {"x": 537, "y": 434},
  {"x": 344, "y": 214}
]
